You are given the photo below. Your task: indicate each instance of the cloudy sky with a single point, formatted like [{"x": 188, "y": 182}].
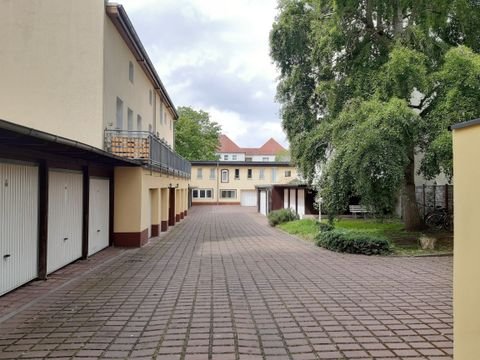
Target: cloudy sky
[{"x": 214, "y": 55}]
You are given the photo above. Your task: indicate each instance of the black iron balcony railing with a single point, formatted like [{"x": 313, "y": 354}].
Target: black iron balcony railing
[{"x": 143, "y": 146}]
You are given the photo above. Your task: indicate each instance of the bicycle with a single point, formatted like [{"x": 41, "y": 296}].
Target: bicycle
[{"x": 439, "y": 219}]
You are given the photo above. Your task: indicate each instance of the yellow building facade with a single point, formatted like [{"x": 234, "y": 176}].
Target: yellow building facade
[
  {"x": 466, "y": 274},
  {"x": 78, "y": 70},
  {"x": 222, "y": 182}
]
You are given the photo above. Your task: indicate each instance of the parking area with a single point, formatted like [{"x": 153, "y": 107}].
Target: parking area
[{"x": 224, "y": 285}]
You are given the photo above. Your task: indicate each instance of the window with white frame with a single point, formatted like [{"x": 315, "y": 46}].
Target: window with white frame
[
  {"x": 265, "y": 158},
  {"x": 249, "y": 173},
  {"x": 119, "y": 118},
  {"x": 228, "y": 194},
  {"x": 199, "y": 173},
  {"x": 224, "y": 174},
  {"x": 288, "y": 173},
  {"x": 212, "y": 173},
  {"x": 234, "y": 157},
  {"x": 237, "y": 174},
  {"x": 261, "y": 174},
  {"x": 130, "y": 119},
  {"x": 274, "y": 175},
  {"x": 202, "y": 193},
  {"x": 130, "y": 71},
  {"x": 225, "y": 157},
  {"x": 139, "y": 123}
]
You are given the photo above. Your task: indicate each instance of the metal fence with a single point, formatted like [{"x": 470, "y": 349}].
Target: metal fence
[
  {"x": 430, "y": 197},
  {"x": 148, "y": 149}
]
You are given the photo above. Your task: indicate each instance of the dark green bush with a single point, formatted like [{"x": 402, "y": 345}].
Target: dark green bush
[
  {"x": 281, "y": 216},
  {"x": 325, "y": 227},
  {"x": 353, "y": 242}
]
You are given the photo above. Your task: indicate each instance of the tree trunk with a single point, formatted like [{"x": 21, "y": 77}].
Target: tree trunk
[{"x": 411, "y": 215}]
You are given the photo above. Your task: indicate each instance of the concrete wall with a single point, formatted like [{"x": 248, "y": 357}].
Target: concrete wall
[
  {"x": 51, "y": 69},
  {"x": 243, "y": 183},
  {"x": 466, "y": 149},
  {"x": 134, "y": 95}
]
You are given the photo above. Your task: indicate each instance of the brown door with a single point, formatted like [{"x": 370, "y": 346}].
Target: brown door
[{"x": 171, "y": 208}]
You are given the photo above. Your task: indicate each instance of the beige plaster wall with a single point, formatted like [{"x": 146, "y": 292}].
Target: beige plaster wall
[
  {"x": 136, "y": 95},
  {"x": 466, "y": 149},
  {"x": 136, "y": 191},
  {"x": 51, "y": 71},
  {"x": 243, "y": 183}
]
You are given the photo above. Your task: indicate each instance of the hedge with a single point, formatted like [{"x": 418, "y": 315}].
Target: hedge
[
  {"x": 353, "y": 242},
  {"x": 281, "y": 216}
]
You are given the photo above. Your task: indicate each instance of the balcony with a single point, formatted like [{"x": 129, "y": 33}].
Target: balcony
[{"x": 146, "y": 148}]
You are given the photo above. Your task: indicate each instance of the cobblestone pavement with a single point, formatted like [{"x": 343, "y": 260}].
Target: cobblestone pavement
[{"x": 223, "y": 285}]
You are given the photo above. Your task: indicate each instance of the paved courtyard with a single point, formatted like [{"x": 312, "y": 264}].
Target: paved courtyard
[{"x": 223, "y": 285}]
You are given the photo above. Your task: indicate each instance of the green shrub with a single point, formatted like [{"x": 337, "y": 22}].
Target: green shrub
[
  {"x": 281, "y": 216},
  {"x": 353, "y": 242},
  {"x": 325, "y": 227}
]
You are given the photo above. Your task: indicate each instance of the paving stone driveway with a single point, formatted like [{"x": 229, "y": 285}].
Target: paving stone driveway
[{"x": 223, "y": 285}]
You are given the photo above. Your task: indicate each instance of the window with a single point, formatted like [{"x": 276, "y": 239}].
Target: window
[
  {"x": 274, "y": 174},
  {"x": 130, "y": 71},
  {"x": 249, "y": 173},
  {"x": 139, "y": 123},
  {"x": 228, "y": 194},
  {"x": 150, "y": 96},
  {"x": 265, "y": 158},
  {"x": 199, "y": 173},
  {"x": 224, "y": 176},
  {"x": 130, "y": 120},
  {"x": 248, "y": 159},
  {"x": 288, "y": 173},
  {"x": 225, "y": 157},
  {"x": 234, "y": 157},
  {"x": 160, "y": 113},
  {"x": 119, "y": 124},
  {"x": 212, "y": 174},
  {"x": 237, "y": 174},
  {"x": 261, "y": 174},
  {"x": 202, "y": 194}
]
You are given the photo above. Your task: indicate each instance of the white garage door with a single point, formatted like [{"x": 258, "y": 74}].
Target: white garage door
[
  {"x": 99, "y": 215},
  {"x": 64, "y": 218},
  {"x": 18, "y": 225},
  {"x": 248, "y": 198},
  {"x": 263, "y": 202}
]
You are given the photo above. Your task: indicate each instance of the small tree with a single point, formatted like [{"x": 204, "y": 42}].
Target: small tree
[{"x": 196, "y": 136}]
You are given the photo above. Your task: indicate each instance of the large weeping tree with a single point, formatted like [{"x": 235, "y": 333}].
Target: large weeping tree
[{"x": 366, "y": 84}]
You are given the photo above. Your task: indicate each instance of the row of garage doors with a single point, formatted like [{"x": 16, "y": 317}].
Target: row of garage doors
[{"x": 19, "y": 217}]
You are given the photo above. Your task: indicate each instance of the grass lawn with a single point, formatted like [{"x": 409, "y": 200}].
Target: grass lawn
[{"x": 405, "y": 243}]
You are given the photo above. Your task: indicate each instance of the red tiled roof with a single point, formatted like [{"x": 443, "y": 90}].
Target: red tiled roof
[
  {"x": 271, "y": 147},
  {"x": 228, "y": 146}
]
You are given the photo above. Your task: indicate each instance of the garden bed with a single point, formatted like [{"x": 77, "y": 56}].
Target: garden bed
[{"x": 404, "y": 243}]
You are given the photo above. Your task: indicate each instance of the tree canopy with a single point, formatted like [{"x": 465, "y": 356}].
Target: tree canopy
[
  {"x": 365, "y": 84},
  {"x": 196, "y": 136}
]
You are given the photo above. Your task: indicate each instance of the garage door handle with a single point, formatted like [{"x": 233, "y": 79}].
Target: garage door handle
[
  {"x": 6, "y": 256},
  {"x": 65, "y": 239}
]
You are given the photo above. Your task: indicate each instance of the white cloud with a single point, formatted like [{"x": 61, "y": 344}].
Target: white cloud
[{"x": 228, "y": 38}]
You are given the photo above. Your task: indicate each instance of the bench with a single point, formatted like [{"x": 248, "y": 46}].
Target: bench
[{"x": 358, "y": 209}]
